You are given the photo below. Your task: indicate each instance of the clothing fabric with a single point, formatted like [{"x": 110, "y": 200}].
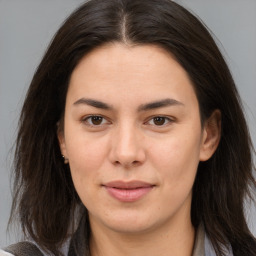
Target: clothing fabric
[
  {"x": 3, "y": 253},
  {"x": 24, "y": 248},
  {"x": 78, "y": 246}
]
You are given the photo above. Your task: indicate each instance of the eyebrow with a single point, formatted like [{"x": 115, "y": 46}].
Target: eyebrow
[
  {"x": 144, "y": 107},
  {"x": 93, "y": 103},
  {"x": 160, "y": 104}
]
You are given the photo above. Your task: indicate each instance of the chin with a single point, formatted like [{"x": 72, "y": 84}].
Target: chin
[
  {"x": 127, "y": 227},
  {"x": 131, "y": 223}
]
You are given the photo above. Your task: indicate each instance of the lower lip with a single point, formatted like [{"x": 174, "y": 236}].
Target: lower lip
[{"x": 128, "y": 195}]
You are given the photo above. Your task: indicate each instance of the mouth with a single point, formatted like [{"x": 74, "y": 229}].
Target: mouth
[{"x": 128, "y": 191}]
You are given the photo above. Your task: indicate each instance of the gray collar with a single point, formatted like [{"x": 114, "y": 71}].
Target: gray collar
[
  {"x": 203, "y": 245},
  {"x": 199, "y": 246}
]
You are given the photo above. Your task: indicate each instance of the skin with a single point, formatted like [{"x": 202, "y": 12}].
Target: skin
[{"x": 125, "y": 142}]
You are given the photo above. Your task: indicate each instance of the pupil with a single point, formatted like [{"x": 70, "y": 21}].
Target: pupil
[
  {"x": 159, "y": 120},
  {"x": 96, "y": 120}
]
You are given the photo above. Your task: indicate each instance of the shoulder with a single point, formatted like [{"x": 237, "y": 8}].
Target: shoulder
[
  {"x": 30, "y": 248},
  {"x": 4, "y": 253},
  {"x": 21, "y": 249}
]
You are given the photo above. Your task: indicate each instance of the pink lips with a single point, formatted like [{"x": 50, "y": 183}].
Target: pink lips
[{"x": 128, "y": 191}]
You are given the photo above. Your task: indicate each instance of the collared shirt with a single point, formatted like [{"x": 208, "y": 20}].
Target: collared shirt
[
  {"x": 203, "y": 246},
  {"x": 199, "y": 246}
]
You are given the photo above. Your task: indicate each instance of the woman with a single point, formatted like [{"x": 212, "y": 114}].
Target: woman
[{"x": 129, "y": 142}]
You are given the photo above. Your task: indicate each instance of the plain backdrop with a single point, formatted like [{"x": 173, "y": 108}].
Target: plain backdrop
[{"x": 27, "y": 26}]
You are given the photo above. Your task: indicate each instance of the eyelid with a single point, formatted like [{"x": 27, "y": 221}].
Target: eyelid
[
  {"x": 167, "y": 118},
  {"x": 106, "y": 121},
  {"x": 85, "y": 119}
]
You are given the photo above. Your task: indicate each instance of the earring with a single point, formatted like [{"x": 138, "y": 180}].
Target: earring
[{"x": 65, "y": 159}]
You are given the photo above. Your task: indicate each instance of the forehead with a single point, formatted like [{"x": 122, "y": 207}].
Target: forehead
[{"x": 117, "y": 71}]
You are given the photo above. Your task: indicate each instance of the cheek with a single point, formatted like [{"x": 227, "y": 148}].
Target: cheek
[
  {"x": 176, "y": 167},
  {"x": 177, "y": 158},
  {"x": 86, "y": 156},
  {"x": 85, "y": 160}
]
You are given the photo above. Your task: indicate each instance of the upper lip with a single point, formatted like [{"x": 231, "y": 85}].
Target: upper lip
[{"x": 128, "y": 184}]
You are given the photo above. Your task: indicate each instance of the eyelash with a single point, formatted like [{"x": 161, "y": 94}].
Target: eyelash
[
  {"x": 85, "y": 120},
  {"x": 167, "y": 120}
]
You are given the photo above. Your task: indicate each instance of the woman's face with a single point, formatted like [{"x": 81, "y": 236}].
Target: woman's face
[{"x": 133, "y": 137}]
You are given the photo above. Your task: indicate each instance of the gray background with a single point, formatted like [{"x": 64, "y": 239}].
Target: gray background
[{"x": 27, "y": 26}]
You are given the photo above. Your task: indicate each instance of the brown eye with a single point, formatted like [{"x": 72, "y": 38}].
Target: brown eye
[
  {"x": 159, "y": 120},
  {"x": 95, "y": 120}
]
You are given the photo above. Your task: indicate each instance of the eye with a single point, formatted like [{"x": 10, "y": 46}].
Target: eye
[
  {"x": 160, "y": 121},
  {"x": 94, "y": 120}
]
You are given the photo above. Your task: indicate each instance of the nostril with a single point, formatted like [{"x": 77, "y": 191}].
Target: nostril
[
  {"x": 116, "y": 163},
  {"x": 132, "y": 164},
  {"x": 127, "y": 164}
]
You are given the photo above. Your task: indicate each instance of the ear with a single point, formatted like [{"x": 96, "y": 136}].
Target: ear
[
  {"x": 61, "y": 139},
  {"x": 211, "y": 135}
]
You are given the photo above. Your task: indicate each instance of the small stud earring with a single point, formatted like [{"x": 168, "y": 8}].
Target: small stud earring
[{"x": 65, "y": 159}]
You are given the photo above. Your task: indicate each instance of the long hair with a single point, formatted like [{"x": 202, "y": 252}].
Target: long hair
[{"x": 44, "y": 195}]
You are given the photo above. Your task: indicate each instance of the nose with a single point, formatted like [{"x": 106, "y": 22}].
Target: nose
[{"x": 127, "y": 147}]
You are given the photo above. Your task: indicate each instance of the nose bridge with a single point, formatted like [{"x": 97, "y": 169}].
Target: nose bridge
[{"x": 127, "y": 144}]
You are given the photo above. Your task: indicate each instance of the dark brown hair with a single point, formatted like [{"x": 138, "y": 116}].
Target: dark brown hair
[{"x": 44, "y": 196}]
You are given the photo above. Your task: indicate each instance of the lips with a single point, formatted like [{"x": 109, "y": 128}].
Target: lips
[{"x": 128, "y": 191}]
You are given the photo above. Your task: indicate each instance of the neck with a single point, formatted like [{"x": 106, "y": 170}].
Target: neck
[{"x": 177, "y": 239}]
